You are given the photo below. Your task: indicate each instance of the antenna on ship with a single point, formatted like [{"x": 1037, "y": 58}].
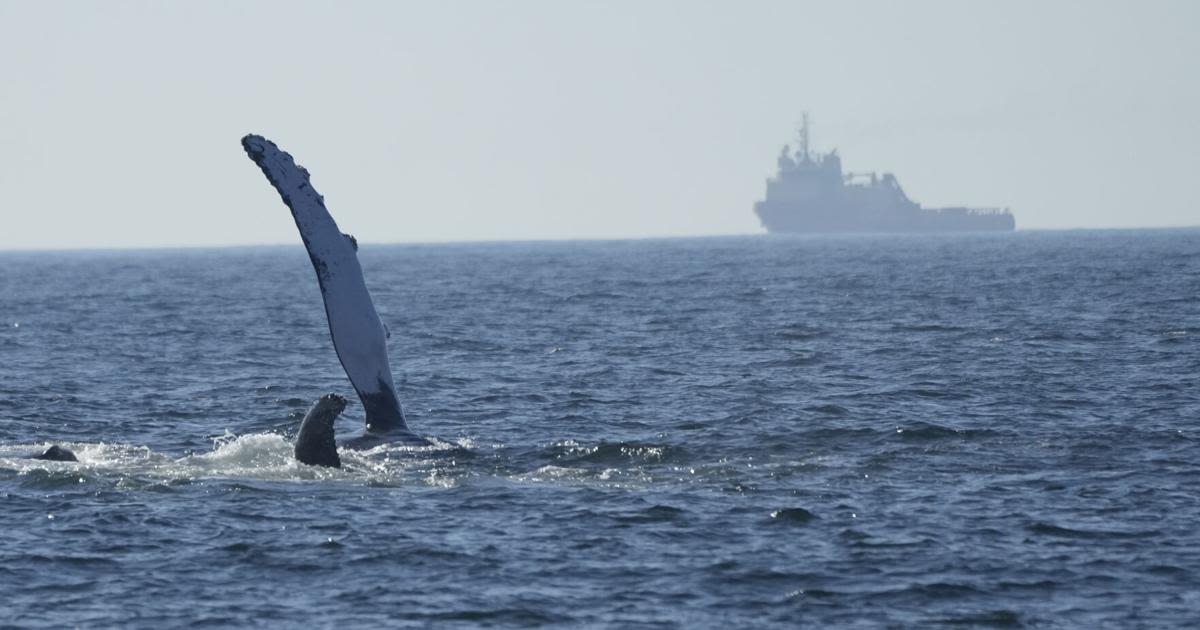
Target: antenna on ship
[{"x": 803, "y": 137}]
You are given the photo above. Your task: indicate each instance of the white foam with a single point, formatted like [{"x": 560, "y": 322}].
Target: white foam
[{"x": 255, "y": 456}]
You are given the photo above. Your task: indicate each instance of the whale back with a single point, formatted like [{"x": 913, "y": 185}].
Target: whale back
[
  {"x": 57, "y": 453},
  {"x": 359, "y": 336}
]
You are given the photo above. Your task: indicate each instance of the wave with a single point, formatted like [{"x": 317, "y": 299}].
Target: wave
[
  {"x": 927, "y": 431},
  {"x": 617, "y": 453},
  {"x": 1059, "y": 531}
]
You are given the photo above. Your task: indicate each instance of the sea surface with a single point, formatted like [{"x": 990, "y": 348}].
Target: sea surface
[{"x": 752, "y": 432}]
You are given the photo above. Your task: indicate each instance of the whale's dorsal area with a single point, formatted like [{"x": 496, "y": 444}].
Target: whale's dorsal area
[
  {"x": 57, "y": 453},
  {"x": 358, "y": 335}
]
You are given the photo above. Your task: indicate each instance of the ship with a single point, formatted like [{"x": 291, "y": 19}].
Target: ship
[{"x": 810, "y": 194}]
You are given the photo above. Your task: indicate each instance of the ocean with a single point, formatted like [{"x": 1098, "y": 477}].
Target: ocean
[{"x": 748, "y": 432}]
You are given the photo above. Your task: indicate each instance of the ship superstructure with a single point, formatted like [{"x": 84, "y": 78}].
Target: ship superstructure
[{"x": 811, "y": 194}]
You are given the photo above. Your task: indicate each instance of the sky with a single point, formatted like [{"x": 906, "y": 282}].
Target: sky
[{"x": 459, "y": 121}]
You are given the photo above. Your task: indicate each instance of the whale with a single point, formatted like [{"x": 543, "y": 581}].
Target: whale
[
  {"x": 54, "y": 453},
  {"x": 315, "y": 443},
  {"x": 57, "y": 453},
  {"x": 359, "y": 336}
]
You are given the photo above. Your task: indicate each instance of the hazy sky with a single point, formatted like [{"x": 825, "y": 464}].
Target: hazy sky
[{"x": 120, "y": 121}]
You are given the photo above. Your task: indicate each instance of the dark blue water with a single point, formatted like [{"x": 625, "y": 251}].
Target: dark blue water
[{"x": 962, "y": 431}]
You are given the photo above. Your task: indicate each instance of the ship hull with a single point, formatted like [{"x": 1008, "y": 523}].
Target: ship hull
[{"x": 790, "y": 218}]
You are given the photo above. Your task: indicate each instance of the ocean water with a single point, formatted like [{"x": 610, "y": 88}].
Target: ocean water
[{"x": 906, "y": 432}]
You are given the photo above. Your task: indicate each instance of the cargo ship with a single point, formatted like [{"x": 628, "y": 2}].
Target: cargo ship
[{"x": 810, "y": 195}]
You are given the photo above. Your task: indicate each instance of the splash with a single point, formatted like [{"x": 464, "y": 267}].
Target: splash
[{"x": 254, "y": 457}]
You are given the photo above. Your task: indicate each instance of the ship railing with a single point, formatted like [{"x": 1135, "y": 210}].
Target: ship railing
[
  {"x": 865, "y": 177},
  {"x": 988, "y": 211},
  {"x": 978, "y": 212}
]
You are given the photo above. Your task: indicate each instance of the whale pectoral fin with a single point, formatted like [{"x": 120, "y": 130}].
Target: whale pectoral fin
[
  {"x": 315, "y": 444},
  {"x": 358, "y": 334}
]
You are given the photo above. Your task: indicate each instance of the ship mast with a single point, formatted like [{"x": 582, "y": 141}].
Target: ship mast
[{"x": 802, "y": 138}]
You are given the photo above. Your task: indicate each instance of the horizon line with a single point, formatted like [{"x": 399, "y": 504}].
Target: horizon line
[{"x": 564, "y": 239}]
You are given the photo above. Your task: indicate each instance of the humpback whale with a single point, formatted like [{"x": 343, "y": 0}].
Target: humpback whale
[
  {"x": 57, "y": 453},
  {"x": 315, "y": 444},
  {"x": 359, "y": 337}
]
